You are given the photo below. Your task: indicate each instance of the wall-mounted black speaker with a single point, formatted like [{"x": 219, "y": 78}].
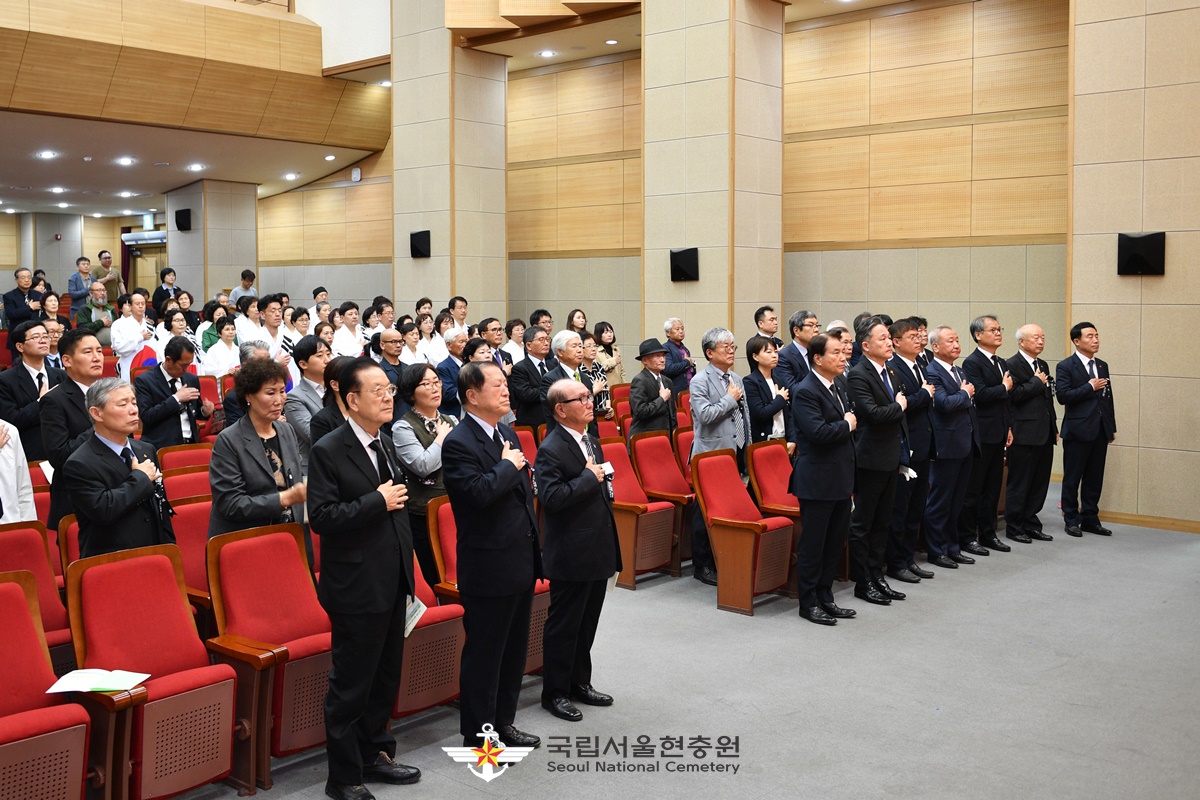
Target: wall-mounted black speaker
[
  {"x": 418, "y": 244},
  {"x": 183, "y": 219},
  {"x": 1141, "y": 253},
  {"x": 685, "y": 264}
]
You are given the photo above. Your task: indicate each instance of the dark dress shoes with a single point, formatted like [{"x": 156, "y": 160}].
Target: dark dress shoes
[
  {"x": 589, "y": 696},
  {"x": 561, "y": 707},
  {"x": 836, "y": 611},
  {"x": 512, "y": 737},
  {"x": 993, "y": 543},
  {"x": 959, "y": 558},
  {"x": 1017, "y": 536},
  {"x": 945, "y": 562},
  {"x": 341, "y": 791},
  {"x": 920, "y": 573},
  {"x": 867, "y": 591},
  {"x": 1097, "y": 529},
  {"x": 1041, "y": 536},
  {"x": 903, "y": 575},
  {"x": 706, "y": 575},
  {"x": 881, "y": 586},
  {"x": 817, "y": 615},
  {"x": 1074, "y": 530},
  {"x": 387, "y": 770},
  {"x": 975, "y": 550}
]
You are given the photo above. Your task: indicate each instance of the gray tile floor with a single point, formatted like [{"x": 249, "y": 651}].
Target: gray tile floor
[{"x": 1065, "y": 669}]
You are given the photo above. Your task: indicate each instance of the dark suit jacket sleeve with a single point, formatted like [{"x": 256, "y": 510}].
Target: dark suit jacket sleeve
[
  {"x": 154, "y": 407},
  {"x": 327, "y": 513},
  {"x": 1025, "y": 384},
  {"x": 56, "y": 429},
  {"x": 462, "y": 467},
  {"x": 525, "y": 384},
  {"x": 234, "y": 495},
  {"x": 762, "y": 406},
  {"x": 644, "y": 402},
  {"x": 88, "y": 489},
  {"x": 193, "y": 382},
  {"x": 14, "y": 407},
  {"x": 300, "y": 418},
  {"x": 676, "y": 363},
  {"x": 1068, "y": 391},
  {"x": 560, "y": 485},
  {"x": 985, "y": 395},
  {"x": 15, "y": 310},
  {"x": 947, "y": 398},
  {"x": 866, "y": 406},
  {"x": 809, "y": 419},
  {"x": 449, "y": 384}
]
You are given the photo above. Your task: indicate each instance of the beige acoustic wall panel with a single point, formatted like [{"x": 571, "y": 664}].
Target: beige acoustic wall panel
[
  {"x": 920, "y": 212},
  {"x": 926, "y": 92},
  {"x": 1013, "y": 26},
  {"x": 1030, "y": 206},
  {"x": 922, "y": 37},
  {"x": 1033, "y": 79},
  {"x": 827, "y": 164},
  {"x": 938, "y": 155},
  {"x": 825, "y": 104},
  {"x": 836, "y": 216},
  {"x": 829, "y": 52},
  {"x": 1023, "y": 148}
]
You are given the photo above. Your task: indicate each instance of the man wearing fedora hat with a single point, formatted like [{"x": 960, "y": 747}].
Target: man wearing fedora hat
[{"x": 650, "y": 391}]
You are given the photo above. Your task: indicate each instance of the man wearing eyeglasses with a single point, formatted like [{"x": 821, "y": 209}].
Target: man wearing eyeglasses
[
  {"x": 568, "y": 349},
  {"x": 525, "y": 380},
  {"x": 793, "y": 358},
  {"x": 22, "y": 386}
]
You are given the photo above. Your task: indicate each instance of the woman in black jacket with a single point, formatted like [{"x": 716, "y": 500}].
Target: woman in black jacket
[{"x": 768, "y": 403}]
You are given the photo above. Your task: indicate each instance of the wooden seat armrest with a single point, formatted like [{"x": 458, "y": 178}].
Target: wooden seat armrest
[
  {"x": 199, "y": 598},
  {"x": 682, "y": 499},
  {"x": 744, "y": 524},
  {"x": 636, "y": 508},
  {"x": 113, "y": 701},
  {"x": 259, "y": 655},
  {"x": 447, "y": 590},
  {"x": 772, "y": 510}
]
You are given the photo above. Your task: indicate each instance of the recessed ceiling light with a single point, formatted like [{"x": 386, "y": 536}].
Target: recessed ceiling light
[
  {"x": 87, "y": 158},
  {"x": 47, "y": 154},
  {"x": 10, "y": 211},
  {"x": 57, "y": 190},
  {"x": 126, "y": 194},
  {"x": 63, "y": 205},
  {"x": 154, "y": 209},
  {"x": 127, "y": 212},
  {"x": 330, "y": 158},
  {"x": 195, "y": 167},
  {"x": 97, "y": 216},
  {"x": 291, "y": 176},
  {"x": 125, "y": 161},
  {"x": 611, "y": 41},
  {"x": 162, "y": 163},
  {"x": 547, "y": 53},
  {"x": 385, "y": 84}
]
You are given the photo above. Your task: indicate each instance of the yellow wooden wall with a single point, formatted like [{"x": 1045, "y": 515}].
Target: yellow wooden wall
[
  {"x": 948, "y": 121},
  {"x": 105, "y": 234},
  {"x": 10, "y": 241},
  {"x": 574, "y": 159},
  {"x": 331, "y": 220}
]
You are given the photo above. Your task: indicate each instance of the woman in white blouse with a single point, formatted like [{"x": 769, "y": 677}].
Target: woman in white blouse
[
  {"x": 175, "y": 324},
  {"x": 222, "y": 357},
  {"x": 411, "y": 353}
]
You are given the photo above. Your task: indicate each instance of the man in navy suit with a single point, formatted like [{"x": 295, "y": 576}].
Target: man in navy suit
[
  {"x": 24, "y": 384},
  {"x": 989, "y": 374},
  {"x": 169, "y": 398},
  {"x": 448, "y": 372},
  {"x": 822, "y": 478},
  {"x": 908, "y": 508},
  {"x": 956, "y": 442},
  {"x": 488, "y": 482},
  {"x": 793, "y": 357},
  {"x": 1089, "y": 425},
  {"x": 22, "y": 304}
]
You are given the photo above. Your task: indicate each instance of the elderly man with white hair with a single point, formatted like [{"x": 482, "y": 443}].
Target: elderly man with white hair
[
  {"x": 567, "y": 348},
  {"x": 456, "y": 340}
]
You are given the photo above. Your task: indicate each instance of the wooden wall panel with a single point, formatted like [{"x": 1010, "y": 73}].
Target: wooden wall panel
[
  {"x": 596, "y": 184},
  {"x": 533, "y": 139},
  {"x": 1020, "y": 149},
  {"x": 281, "y": 244},
  {"x": 632, "y": 236},
  {"x": 370, "y": 238},
  {"x": 1033, "y": 79},
  {"x": 591, "y": 89},
  {"x": 939, "y": 155},
  {"x": 922, "y": 37},
  {"x": 12, "y": 48},
  {"x": 236, "y": 36},
  {"x": 631, "y": 82},
  {"x": 40, "y": 84},
  {"x": 372, "y": 201},
  {"x": 324, "y": 241},
  {"x": 301, "y": 107},
  {"x": 919, "y": 212},
  {"x": 1019, "y": 206},
  {"x": 827, "y": 104},
  {"x": 171, "y": 29},
  {"x": 837, "y": 216},
  {"x": 1012, "y": 26},
  {"x": 325, "y": 206},
  {"x": 15, "y": 16},
  {"x": 590, "y": 132},
  {"x": 211, "y": 109},
  {"x": 935, "y": 90},
  {"x": 174, "y": 82},
  {"x": 631, "y": 127},
  {"x": 300, "y": 48},
  {"x": 78, "y": 19},
  {"x": 632, "y": 180},
  {"x": 827, "y": 164},
  {"x": 529, "y": 98},
  {"x": 530, "y": 231},
  {"x": 10, "y": 239},
  {"x": 363, "y": 117},
  {"x": 530, "y": 189},
  {"x": 827, "y": 52},
  {"x": 282, "y": 211},
  {"x": 590, "y": 228}
]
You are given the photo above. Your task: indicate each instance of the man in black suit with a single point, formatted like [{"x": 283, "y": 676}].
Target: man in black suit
[
  {"x": 767, "y": 323},
  {"x": 822, "y": 478},
  {"x": 908, "y": 508},
  {"x": 581, "y": 550},
  {"x": 169, "y": 398},
  {"x": 492, "y": 332},
  {"x": 880, "y": 447},
  {"x": 525, "y": 380},
  {"x": 956, "y": 442},
  {"x": 113, "y": 479},
  {"x": 989, "y": 374},
  {"x": 650, "y": 392},
  {"x": 21, "y": 304},
  {"x": 356, "y": 497},
  {"x": 489, "y": 487},
  {"x": 66, "y": 423},
  {"x": 568, "y": 350},
  {"x": 1034, "y": 434},
  {"x": 1089, "y": 425},
  {"x": 25, "y": 383},
  {"x": 793, "y": 357}
]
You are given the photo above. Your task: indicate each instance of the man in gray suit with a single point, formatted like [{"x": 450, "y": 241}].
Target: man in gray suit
[
  {"x": 307, "y": 396},
  {"x": 720, "y": 421}
]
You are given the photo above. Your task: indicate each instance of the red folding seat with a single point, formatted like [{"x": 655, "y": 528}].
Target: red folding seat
[
  {"x": 184, "y": 455},
  {"x": 607, "y": 428},
  {"x": 681, "y": 442},
  {"x": 23, "y": 546},
  {"x": 751, "y": 551},
  {"x": 186, "y": 482},
  {"x": 37, "y": 476},
  {"x": 432, "y": 654},
  {"x": 619, "y": 392},
  {"x": 528, "y": 439},
  {"x": 645, "y": 528},
  {"x": 658, "y": 470}
]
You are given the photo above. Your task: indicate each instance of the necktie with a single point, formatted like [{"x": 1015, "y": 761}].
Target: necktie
[
  {"x": 498, "y": 439},
  {"x": 957, "y": 375},
  {"x": 41, "y": 380},
  {"x": 920, "y": 374},
  {"x": 127, "y": 454},
  {"x": 542, "y": 368},
  {"x": 385, "y": 471},
  {"x": 999, "y": 365},
  {"x": 887, "y": 384},
  {"x": 837, "y": 398},
  {"x": 578, "y": 379},
  {"x": 1091, "y": 368},
  {"x": 587, "y": 443},
  {"x": 739, "y": 434}
]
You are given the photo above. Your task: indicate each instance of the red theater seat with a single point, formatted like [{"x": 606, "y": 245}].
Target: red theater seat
[
  {"x": 656, "y": 467},
  {"x": 528, "y": 442},
  {"x": 184, "y": 455},
  {"x": 645, "y": 528},
  {"x": 186, "y": 482},
  {"x": 432, "y": 654},
  {"x": 25, "y": 546}
]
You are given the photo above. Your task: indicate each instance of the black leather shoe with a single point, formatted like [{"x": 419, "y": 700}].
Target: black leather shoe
[
  {"x": 561, "y": 707},
  {"x": 1074, "y": 530},
  {"x": 881, "y": 586},
  {"x": 993, "y": 543},
  {"x": 903, "y": 575},
  {"x": 920, "y": 573},
  {"x": 589, "y": 696},
  {"x": 974, "y": 550},
  {"x": 942, "y": 561},
  {"x": 1097, "y": 529},
  {"x": 387, "y": 770},
  {"x": 959, "y": 558},
  {"x": 867, "y": 591},
  {"x": 815, "y": 614},
  {"x": 837, "y": 612},
  {"x": 706, "y": 575},
  {"x": 512, "y": 737},
  {"x": 1019, "y": 537},
  {"x": 341, "y": 791},
  {"x": 1041, "y": 536}
]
